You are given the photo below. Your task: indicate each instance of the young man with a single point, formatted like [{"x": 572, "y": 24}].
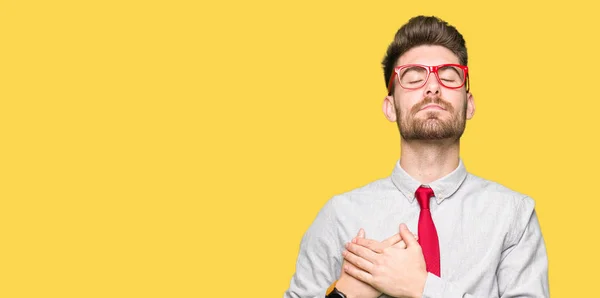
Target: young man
[{"x": 476, "y": 238}]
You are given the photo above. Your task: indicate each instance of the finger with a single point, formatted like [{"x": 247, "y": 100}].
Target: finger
[
  {"x": 357, "y": 261},
  {"x": 400, "y": 244},
  {"x": 357, "y": 273},
  {"x": 362, "y": 251},
  {"x": 392, "y": 240},
  {"x": 361, "y": 233},
  {"x": 370, "y": 244},
  {"x": 407, "y": 236},
  {"x": 395, "y": 239}
]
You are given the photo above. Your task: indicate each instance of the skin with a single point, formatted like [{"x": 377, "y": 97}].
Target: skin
[
  {"x": 431, "y": 120},
  {"x": 354, "y": 286}
]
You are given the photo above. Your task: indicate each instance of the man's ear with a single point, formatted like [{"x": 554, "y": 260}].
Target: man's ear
[
  {"x": 389, "y": 108},
  {"x": 470, "y": 106}
]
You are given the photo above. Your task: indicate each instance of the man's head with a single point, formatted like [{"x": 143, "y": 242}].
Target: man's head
[{"x": 427, "y": 78}]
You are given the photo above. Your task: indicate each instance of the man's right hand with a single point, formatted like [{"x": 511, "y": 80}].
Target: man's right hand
[{"x": 354, "y": 288}]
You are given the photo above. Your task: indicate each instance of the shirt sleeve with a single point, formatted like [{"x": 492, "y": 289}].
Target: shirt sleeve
[
  {"x": 319, "y": 260},
  {"x": 523, "y": 269}
]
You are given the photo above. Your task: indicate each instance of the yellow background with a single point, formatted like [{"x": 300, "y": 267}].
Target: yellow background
[{"x": 181, "y": 149}]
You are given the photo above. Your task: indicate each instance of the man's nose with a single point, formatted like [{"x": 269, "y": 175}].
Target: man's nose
[{"x": 432, "y": 86}]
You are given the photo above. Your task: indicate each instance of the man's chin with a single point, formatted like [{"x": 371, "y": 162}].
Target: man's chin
[
  {"x": 433, "y": 130},
  {"x": 438, "y": 115}
]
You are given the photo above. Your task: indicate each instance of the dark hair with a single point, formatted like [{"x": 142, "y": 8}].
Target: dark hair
[{"x": 423, "y": 30}]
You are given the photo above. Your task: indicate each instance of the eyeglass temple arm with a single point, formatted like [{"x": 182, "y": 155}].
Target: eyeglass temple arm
[{"x": 391, "y": 83}]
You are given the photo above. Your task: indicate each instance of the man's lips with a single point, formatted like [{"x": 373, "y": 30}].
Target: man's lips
[{"x": 432, "y": 107}]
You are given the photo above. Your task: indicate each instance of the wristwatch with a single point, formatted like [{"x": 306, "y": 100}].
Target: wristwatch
[{"x": 335, "y": 294}]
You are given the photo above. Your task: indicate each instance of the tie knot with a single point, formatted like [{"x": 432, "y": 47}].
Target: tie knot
[{"x": 423, "y": 195}]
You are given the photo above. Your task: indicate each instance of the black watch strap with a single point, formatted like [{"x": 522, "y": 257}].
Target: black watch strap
[{"x": 336, "y": 294}]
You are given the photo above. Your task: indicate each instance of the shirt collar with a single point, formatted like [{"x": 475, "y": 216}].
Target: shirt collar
[{"x": 443, "y": 188}]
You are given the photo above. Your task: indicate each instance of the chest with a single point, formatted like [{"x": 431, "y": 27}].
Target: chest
[{"x": 471, "y": 240}]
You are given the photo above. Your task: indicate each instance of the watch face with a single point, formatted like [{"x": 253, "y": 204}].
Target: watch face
[{"x": 336, "y": 294}]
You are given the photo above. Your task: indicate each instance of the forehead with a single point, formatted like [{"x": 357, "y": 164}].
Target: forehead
[{"x": 428, "y": 55}]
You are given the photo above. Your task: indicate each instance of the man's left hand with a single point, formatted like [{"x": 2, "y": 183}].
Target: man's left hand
[{"x": 395, "y": 270}]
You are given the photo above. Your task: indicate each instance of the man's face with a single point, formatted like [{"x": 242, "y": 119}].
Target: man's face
[{"x": 432, "y": 112}]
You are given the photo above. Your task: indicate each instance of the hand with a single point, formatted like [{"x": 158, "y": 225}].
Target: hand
[
  {"x": 397, "y": 271},
  {"x": 353, "y": 287}
]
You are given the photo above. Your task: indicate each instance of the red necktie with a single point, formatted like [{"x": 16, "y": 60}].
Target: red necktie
[{"x": 428, "y": 238}]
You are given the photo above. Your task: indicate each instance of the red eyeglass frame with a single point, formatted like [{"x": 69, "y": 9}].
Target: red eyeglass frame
[{"x": 430, "y": 69}]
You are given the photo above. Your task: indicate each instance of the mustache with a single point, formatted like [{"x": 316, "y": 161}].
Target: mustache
[{"x": 435, "y": 100}]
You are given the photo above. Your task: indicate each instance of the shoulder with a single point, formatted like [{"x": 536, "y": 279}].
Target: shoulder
[
  {"x": 496, "y": 193},
  {"x": 366, "y": 199},
  {"x": 357, "y": 197},
  {"x": 377, "y": 190},
  {"x": 511, "y": 209}
]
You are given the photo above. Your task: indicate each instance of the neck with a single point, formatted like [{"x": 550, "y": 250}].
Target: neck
[{"x": 427, "y": 161}]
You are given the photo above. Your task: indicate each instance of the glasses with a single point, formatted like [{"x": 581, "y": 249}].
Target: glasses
[{"x": 414, "y": 76}]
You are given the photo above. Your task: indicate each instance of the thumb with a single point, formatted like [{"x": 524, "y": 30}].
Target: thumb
[{"x": 407, "y": 236}]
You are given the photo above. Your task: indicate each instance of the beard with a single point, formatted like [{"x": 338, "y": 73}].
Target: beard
[{"x": 431, "y": 127}]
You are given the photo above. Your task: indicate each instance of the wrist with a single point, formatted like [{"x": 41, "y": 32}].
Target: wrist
[
  {"x": 419, "y": 287},
  {"x": 343, "y": 287},
  {"x": 346, "y": 288}
]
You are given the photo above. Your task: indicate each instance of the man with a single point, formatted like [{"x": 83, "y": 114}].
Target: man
[{"x": 475, "y": 238}]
